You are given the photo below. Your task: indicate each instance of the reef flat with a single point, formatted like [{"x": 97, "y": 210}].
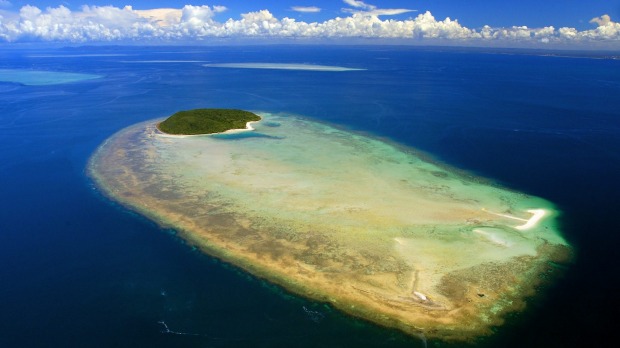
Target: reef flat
[{"x": 368, "y": 226}]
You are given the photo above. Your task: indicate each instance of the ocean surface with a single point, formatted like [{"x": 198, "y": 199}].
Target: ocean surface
[{"x": 78, "y": 270}]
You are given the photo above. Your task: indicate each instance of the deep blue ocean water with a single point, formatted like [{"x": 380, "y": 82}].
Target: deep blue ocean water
[{"x": 77, "y": 270}]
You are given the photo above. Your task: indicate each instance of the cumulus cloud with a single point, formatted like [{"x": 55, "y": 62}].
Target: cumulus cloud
[
  {"x": 306, "y": 9},
  {"x": 602, "y": 20},
  {"x": 60, "y": 24},
  {"x": 108, "y": 23},
  {"x": 606, "y": 30},
  {"x": 162, "y": 16}
]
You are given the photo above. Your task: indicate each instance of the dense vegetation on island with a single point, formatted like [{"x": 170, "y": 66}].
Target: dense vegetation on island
[{"x": 206, "y": 121}]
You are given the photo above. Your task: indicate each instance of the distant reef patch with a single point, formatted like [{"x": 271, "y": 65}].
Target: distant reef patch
[
  {"x": 42, "y": 77},
  {"x": 282, "y": 66}
]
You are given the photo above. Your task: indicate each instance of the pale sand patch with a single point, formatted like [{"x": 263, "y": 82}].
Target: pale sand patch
[{"x": 494, "y": 238}]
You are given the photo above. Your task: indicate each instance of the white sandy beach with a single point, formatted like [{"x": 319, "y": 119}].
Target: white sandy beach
[{"x": 248, "y": 127}]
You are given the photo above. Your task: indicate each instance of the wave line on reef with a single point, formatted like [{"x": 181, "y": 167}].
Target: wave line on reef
[
  {"x": 168, "y": 331},
  {"x": 315, "y": 316},
  {"x": 423, "y": 339}
]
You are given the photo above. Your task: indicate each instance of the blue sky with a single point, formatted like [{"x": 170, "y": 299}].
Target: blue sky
[
  {"x": 471, "y": 13},
  {"x": 505, "y": 23}
]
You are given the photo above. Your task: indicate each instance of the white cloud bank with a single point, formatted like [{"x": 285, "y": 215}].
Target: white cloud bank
[{"x": 108, "y": 23}]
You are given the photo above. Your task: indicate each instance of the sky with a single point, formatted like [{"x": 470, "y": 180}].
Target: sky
[{"x": 462, "y": 22}]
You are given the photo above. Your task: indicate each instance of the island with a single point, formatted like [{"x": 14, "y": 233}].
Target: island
[
  {"x": 207, "y": 121},
  {"x": 374, "y": 228}
]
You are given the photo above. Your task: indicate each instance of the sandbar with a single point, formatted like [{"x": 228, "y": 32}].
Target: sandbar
[
  {"x": 282, "y": 66},
  {"x": 162, "y": 61},
  {"x": 537, "y": 215},
  {"x": 369, "y": 226}
]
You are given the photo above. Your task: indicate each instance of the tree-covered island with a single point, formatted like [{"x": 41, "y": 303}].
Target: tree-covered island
[{"x": 206, "y": 121}]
